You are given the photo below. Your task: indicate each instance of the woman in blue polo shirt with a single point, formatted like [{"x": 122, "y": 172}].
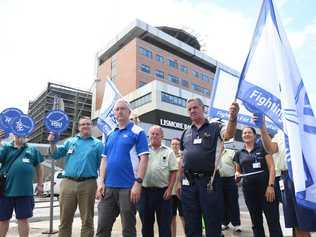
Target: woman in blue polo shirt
[
  {"x": 257, "y": 169},
  {"x": 18, "y": 192}
]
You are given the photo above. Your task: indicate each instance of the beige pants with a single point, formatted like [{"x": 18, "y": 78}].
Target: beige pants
[{"x": 73, "y": 194}]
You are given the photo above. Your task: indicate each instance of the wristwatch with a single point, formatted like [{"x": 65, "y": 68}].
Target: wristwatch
[{"x": 139, "y": 180}]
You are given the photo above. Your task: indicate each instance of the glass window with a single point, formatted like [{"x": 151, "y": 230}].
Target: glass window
[
  {"x": 184, "y": 83},
  {"x": 183, "y": 68},
  {"x": 173, "y": 79},
  {"x": 195, "y": 73},
  {"x": 204, "y": 77},
  {"x": 171, "y": 99},
  {"x": 141, "y": 83},
  {"x": 145, "y": 68},
  {"x": 200, "y": 89},
  {"x": 159, "y": 74},
  {"x": 159, "y": 58},
  {"x": 141, "y": 101},
  {"x": 172, "y": 63},
  {"x": 145, "y": 52}
]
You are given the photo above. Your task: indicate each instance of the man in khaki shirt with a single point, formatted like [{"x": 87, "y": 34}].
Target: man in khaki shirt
[
  {"x": 157, "y": 186},
  {"x": 230, "y": 191}
]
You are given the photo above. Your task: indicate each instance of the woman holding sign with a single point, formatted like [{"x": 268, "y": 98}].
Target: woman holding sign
[{"x": 256, "y": 167}]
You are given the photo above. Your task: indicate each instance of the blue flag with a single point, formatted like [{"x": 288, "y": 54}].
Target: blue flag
[
  {"x": 107, "y": 121},
  {"x": 270, "y": 83}
]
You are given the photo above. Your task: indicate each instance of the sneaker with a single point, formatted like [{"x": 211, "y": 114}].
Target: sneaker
[
  {"x": 237, "y": 228},
  {"x": 225, "y": 227}
]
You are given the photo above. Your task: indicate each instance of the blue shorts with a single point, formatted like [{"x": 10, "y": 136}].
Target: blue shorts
[
  {"x": 23, "y": 207},
  {"x": 296, "y": 216}
]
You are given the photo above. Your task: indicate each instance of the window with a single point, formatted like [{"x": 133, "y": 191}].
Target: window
[
  {"x": 173, "y": 79},
  {"x": 141, "y": 101},
  {"x": 113, "y": 68},
  {"x": 200, "y": 89},
  {"x": 171, "y": 99},
  {"x": 206, "y": 91},
  {"x": 183, "y": 69},
  {"x": 145, "y": 68},
  {"x": 160, "y": 58},
  {"x": 195, "y": 73},
  {"x": 204, "y": 77},
  {"x": 145, "y": 52},
  {"x": 159, "y": 74},
  {"x": 141, "y": 83},
  {"x": 184, "y": 83},
  {"x": 172, "y": 64}
]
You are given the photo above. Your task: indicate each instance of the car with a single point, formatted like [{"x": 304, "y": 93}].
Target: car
[{"x": 58, "y": 177}]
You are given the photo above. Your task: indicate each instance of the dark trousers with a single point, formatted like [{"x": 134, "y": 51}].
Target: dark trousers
[
  {"x": 197, "y": 201},
  {"x": 231, "y": 206},
  {"x": 256, "y": 203},
  {"x": 151, "y": 203},
  {"x": 116, "y": 202}
]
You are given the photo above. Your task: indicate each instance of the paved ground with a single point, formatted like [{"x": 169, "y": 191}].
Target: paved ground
[{"x": 40, "y": 223}]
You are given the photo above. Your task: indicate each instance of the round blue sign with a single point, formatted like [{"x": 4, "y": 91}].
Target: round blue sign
[
  {"x": 22, "y": 126},
  {"x": 56, "y": 121},
  {"x": 7, "y": 117}
]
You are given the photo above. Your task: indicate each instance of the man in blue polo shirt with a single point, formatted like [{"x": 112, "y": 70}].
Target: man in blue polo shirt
[
  {"x": 121, "y": 172},
  {"x": 82, "y": 160}
]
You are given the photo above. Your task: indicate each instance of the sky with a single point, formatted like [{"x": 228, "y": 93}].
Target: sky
[{"x": 57, "y": 41}]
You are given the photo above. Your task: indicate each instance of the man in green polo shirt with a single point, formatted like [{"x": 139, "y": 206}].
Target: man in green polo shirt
[
  {"x": 157, "y": 186},
  {"x": 18, "y": 192}
]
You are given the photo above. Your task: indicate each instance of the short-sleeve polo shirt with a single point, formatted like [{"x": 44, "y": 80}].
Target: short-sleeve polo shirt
[
  {"x": 200, "y": 157},
  {"x": 246, "y": 159},
  {"x": 161, "y": 162},
  {"x": 123, "y": 148},
  {"x": 82, "y": 156},
  {"x": 20, "y": 176}
]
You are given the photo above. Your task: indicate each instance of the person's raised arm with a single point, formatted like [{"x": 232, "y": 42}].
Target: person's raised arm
[{"x": 232, "y": 122}]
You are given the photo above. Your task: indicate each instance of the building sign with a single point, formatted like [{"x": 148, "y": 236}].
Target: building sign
[
  {"x": 173, "y": 124},
  {"x": 166, "y": 119}
]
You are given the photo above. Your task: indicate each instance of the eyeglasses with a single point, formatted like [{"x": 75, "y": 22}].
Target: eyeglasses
[{"x": 85, "y": 124}]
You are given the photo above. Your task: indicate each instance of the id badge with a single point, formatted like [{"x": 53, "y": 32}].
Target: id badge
[
  {"x": 185, "y": 182},
  {"x": 256, "y": 165},
  {"x": 70, "y": 151},
  {"x": 281, "y": 184},
  {"x": 197, "y": 141},
  {"x": 26, "y": 160}
]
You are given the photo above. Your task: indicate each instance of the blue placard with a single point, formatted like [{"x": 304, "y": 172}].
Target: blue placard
[
  {"x": 22, "y": 126},
  {"x": 7, "y": 116},
  {"x": 56, "y": 121}
]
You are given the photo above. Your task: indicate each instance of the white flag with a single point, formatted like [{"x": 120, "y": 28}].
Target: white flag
[
  {"x": 107, "y": 121},
  {"x": 270, "y": 83}
]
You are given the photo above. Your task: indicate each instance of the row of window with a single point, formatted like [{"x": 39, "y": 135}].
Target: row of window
[
  {"x": 176, "y": 100},
  {"x": 174, "y": 79},
  {"x": 165, "y": 97},
  {"x": 173, "y": 64},
  {"x": 141, "y": 101}
]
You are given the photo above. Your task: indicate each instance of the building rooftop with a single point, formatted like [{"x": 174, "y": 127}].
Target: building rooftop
[{"x": 172, "y": 41}]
